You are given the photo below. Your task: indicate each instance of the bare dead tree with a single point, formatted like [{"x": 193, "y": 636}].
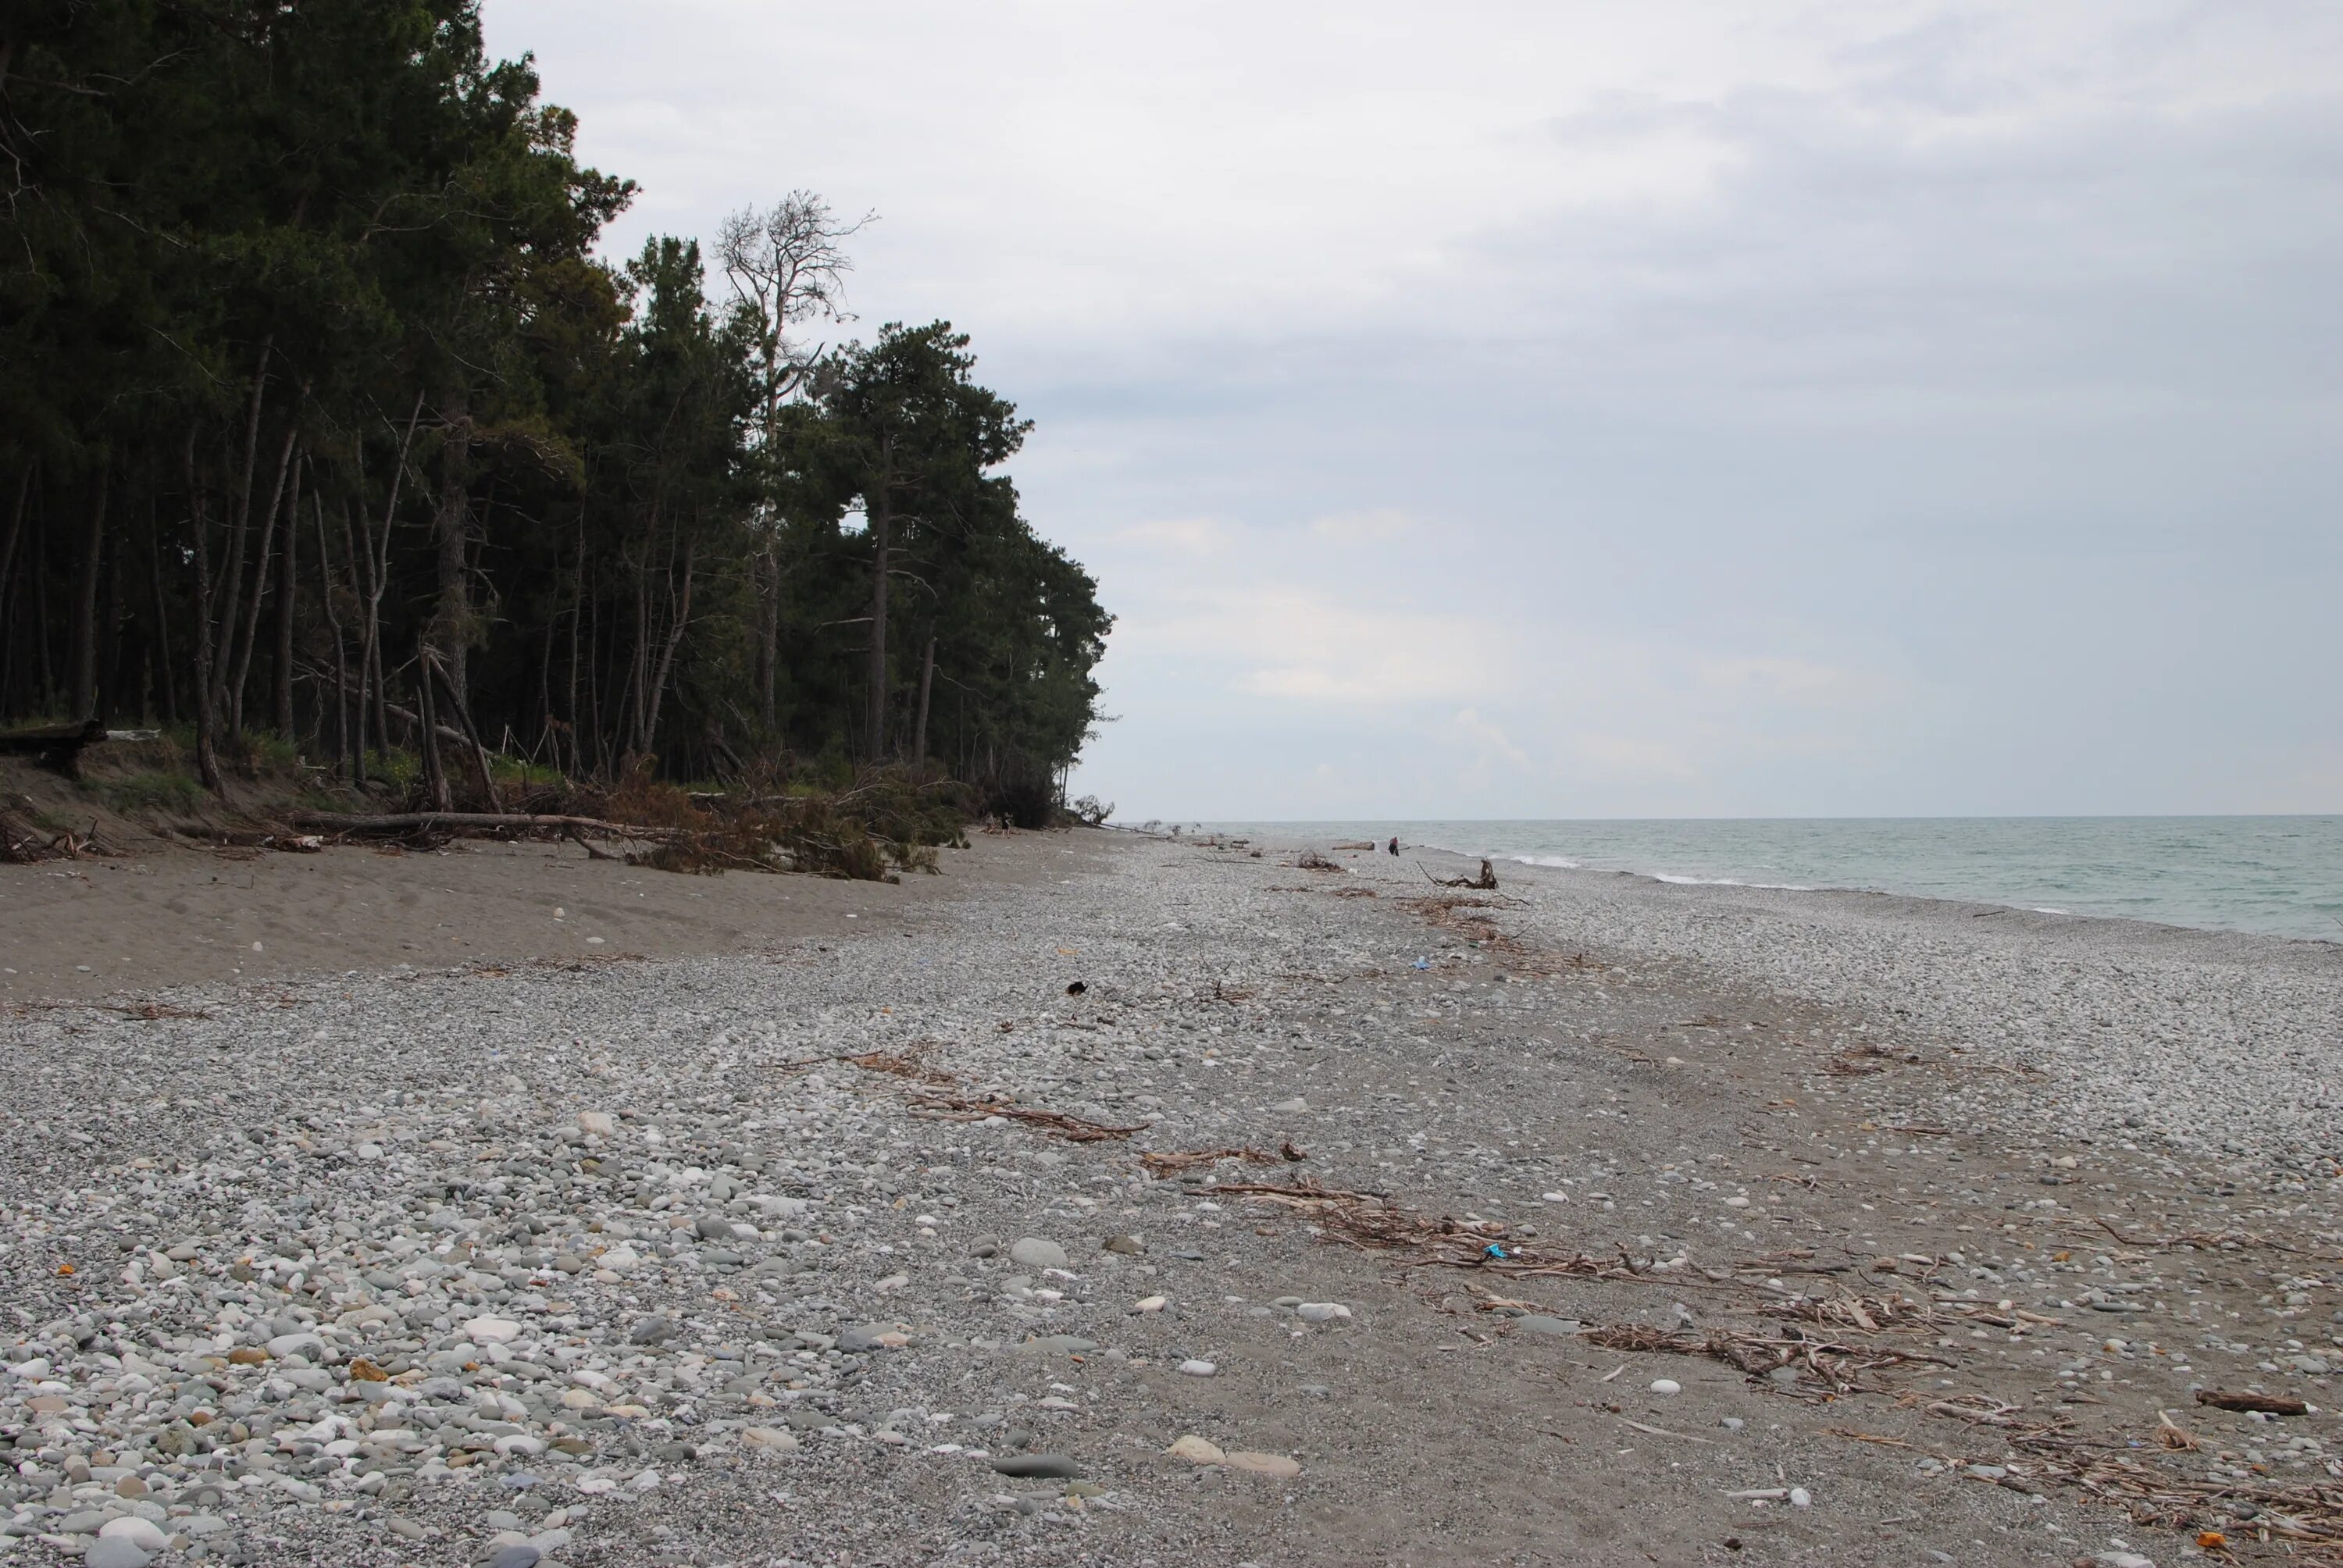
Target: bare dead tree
[{"x": 787, "y": 265}]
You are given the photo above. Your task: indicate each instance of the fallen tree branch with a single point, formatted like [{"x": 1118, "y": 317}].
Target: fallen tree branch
[
  {"x": 476, "y": 821},
  {"x": 1486, "y": 882},
  {"x": 1073, "y": 1128},
  {"x": 2269, "y": 1405},
  {"x": 1164, "y": 1164}
]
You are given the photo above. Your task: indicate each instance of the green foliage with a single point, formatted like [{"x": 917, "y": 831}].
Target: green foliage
[
  {"x": 519, "y": 770},
  {"x": 328, "y": 268},
  {"x": 158, "y": 791}
]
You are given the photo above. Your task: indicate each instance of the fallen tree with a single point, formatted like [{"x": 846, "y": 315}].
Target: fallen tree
[{"x": 471, "y": 822}]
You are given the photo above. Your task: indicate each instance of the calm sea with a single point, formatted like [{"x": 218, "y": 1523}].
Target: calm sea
[{"x": 2282, "y": 876}]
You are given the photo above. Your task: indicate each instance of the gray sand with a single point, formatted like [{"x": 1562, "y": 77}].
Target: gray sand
[{"x": 622, "y": 1263}]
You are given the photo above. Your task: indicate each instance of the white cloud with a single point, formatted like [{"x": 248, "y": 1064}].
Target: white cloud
[
  {"x": 1635, "y": 757},
  {"x": 1362, "y": 527},
  {"x": 1735, "y": 405},
  {"x": 1302, "y": 644},
  {"x": 1186, "y": 536},
  {"x": 1489, "y": 737},
  {"x": 1778, "y": 678}
]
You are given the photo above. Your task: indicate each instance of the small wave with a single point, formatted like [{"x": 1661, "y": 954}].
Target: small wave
[
  {"x": 1559, "y": 862},
  {"x": 1732, "y": 882},
  {"x": 2045, "y": 909}
]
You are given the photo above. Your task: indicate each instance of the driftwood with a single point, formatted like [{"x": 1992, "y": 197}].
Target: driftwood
[
  {"x": 24, "y": 844},
  {"x": 1073, "y": 1128},
  {"x": 2269, "y": 1405},
  {"x": 1173, "y": 1161},
  {"x": 250, "y": 838},
  {"x": 1486, "y": 882}
]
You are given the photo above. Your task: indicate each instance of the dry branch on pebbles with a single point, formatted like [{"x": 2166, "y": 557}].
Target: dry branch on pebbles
[{"x": 933, "y": 1106}]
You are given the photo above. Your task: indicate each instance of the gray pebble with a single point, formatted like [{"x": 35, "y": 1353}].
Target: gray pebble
[
  {"x": 1034, "y": 1252},
  {"x": 112, "y": 1551}
]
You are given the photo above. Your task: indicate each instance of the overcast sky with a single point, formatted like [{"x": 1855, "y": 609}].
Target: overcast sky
[{"x": 1562, "y": 409}]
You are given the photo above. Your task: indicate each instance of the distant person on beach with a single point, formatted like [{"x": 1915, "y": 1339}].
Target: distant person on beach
[{"x": 1394, "y": 844}]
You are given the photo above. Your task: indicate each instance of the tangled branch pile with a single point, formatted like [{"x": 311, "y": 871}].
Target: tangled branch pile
[
  {"x": 1815, "y": 1365},
  {"x": 887, "y": 824}
]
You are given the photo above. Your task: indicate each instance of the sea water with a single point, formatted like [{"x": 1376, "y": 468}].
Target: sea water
[{"x": 2281, "y": 876}]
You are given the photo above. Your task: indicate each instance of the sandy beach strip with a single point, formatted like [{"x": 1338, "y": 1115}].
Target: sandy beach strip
[{"x": 1605, "y": 1220}]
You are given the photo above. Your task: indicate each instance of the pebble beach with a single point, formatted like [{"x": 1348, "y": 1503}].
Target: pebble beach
[{"x": 1022, "y": 1224}]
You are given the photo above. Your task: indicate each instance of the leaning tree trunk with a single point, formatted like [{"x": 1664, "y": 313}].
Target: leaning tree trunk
[
  {"x": 666, "y": 657},
  {"x": 286, "y": 466},
  {"x": 426, "y": 737},
  {"x": 240, "y": 521}
]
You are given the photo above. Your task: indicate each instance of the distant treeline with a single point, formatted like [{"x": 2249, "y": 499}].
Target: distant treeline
[{"x": 318, "y": 416}]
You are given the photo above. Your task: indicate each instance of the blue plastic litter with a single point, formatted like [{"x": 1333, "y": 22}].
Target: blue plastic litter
[
  {"x": 1495, "y": 1251},
  {"x": 1423, "y": 963}
]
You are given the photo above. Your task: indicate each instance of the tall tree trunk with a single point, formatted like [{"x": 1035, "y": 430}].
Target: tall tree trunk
[
  {"x": 16, "y": 523},
  {"x": 84, "y": 605},
  {"x": 206, "y": 700},
  {"x": 630, "y": 698},
  {"x": 427, "y": 739},
  {"x": 358, "y": 734},
  {"x": 108, "y": 631},
  {"x": 927, "y": 679},
  {"x": 165, "y": 681},
  {"x": 768, "y": 632},
  {"x": 10, "y": 596},
  {"x": 545, "y": 662},
  {"x": 334, "y": 624},
  {"x": 449, "y": 527},
  {"x": 881, "y": 527},
  {"x": 43, "y": 633},
  {"x": 288, "y": 578},
  {"x": 577, "y": 620}
]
